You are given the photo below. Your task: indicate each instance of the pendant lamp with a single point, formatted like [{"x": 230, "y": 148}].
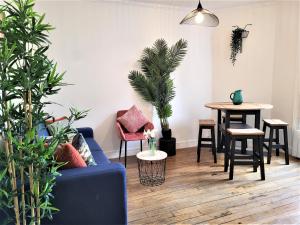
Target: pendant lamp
[{"x": 202, "y": 17}]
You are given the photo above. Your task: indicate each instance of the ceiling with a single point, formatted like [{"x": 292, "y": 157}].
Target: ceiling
[{"x": 211, "y": 4}]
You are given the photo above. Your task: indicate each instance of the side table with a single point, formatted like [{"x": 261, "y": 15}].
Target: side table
[{"x": 152, "y": 168}]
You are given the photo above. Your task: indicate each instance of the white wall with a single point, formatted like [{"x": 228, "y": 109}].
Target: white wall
[
  {"x": 286, "y": 60},
  {"x": 253, "y": 71},
  {"x": 267, "y": 67},
  {"x": 99, "y": 42},
  {"x": 286, "y": 66}
]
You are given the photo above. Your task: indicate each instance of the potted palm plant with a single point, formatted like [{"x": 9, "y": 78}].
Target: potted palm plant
[
  {"x": 154, "y": 82},
  {"x": 28, "y": 170}
]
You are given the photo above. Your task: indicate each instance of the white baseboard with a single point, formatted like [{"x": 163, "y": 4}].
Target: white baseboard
[
  {"x": 186, "y": 144},
  {"x": 133, "y": 151}
]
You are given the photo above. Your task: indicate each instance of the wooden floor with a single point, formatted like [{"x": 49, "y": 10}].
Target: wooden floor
[{"x": 201, "y": 193}]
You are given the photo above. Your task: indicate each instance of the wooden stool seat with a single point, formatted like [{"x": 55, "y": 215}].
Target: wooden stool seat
[
  {"x": 245, "y": 132},
  {"x": 236, "y": 126},
  {"x": 275, "y": 125},
  {"x": 275, "y": 122},
  {"x": 208, "y": 122}
]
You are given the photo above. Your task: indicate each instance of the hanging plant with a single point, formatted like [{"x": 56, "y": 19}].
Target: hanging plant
[{"x": 236, "y": 44}]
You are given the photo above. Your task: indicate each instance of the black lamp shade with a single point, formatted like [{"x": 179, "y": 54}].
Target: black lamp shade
[{"x": 202, "y": 17}]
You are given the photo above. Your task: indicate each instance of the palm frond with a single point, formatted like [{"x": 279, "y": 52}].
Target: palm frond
[
  {"x": 160, "y": 47},
  {"x": 176, "y": 54},
  {"x": 141, "y": 85}
]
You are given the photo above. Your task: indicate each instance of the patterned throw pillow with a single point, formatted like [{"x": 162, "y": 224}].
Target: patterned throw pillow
[
  {"x": 133, "y": 119},
  {"x": 82, "y": 147},
  {"x": 66, "y": 153}
]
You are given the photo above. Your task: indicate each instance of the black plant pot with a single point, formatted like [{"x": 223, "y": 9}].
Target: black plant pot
[
  {"x": 168, "y": 146},
  {"x": 166, "y": 133}
]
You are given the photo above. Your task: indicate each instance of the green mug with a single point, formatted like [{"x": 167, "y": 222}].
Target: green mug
[{"x": 236, "y": 97}]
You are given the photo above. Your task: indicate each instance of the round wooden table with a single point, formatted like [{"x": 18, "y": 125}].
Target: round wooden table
[
  {"x": 246, "y": 108},
  {"x": 242, "y": 107}
]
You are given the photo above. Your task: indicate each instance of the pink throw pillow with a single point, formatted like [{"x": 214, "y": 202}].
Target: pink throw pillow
[{"x": 133, "y": 119}]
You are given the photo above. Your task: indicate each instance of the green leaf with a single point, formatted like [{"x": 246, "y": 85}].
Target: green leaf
[{"x": 2, "y": 174}]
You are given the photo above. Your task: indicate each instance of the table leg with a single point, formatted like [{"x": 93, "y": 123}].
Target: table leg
[
  {"x": 219, "y": 131},
  {"x": 244, "y": 142},
  {"x": 257, "y": 119},
  {"x": 227, "y": 141}
]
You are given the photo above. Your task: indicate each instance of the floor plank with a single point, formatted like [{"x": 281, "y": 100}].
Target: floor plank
[{"x": 196, "y": 193}]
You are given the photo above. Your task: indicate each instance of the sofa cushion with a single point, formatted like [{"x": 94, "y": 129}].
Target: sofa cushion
[
  {"x": 97, "y": 152},
  {"x": 83, "y": 148},
  {"x": 133, "y": 119},
  {"x": 66, "y": 153}
]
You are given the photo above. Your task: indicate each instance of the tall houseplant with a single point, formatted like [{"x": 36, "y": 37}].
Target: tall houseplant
[
  {"x": 27, "y": 77},
  {"x": 154, "y": 82}
]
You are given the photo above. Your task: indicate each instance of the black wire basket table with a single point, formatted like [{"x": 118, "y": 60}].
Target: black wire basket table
[{"x": 152, "y": 167}]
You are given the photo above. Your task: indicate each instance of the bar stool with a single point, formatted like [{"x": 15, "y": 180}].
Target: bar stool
[
  {"x": 207, "y": 125},
  {"x": 276, "y": 125},
  {"x": 244, "y": 134}
]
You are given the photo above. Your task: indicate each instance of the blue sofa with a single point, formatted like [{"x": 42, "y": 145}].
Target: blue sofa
[{"x": 93, "y": 195}]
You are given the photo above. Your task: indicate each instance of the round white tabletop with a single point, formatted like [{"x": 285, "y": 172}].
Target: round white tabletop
[{"x": 148, "y": 155}]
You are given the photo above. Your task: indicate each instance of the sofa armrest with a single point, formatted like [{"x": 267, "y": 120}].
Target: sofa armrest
[
  {"x": 92, "y": 195},
  {"x": 87, "y": 132}
]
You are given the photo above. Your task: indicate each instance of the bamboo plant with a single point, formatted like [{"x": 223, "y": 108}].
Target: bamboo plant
[{"x": 27, "y": 78}]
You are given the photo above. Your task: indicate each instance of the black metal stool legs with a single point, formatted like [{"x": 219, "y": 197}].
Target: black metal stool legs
[
  {"x": 199, "y": 143},
  {"x": 261, "y": 155},
  {"x": 232, "y": 155},
  {"x": 271, "y": 136},
  {"x": 277, "y": 141},
  {"x": 255, "y": 155},
  {"x": 226, "y": 152},
  {"x": 214, "y": 149},
  {"x": 286, "y": 146}
]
